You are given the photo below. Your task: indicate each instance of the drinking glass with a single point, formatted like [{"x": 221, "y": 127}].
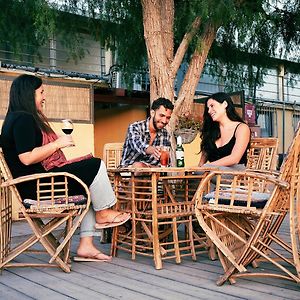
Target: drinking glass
[
  {"x": 164, "y": 156},
  {"x": 67, "y": 126}
]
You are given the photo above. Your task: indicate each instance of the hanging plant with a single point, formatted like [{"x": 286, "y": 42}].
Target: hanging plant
[{"x": 187, "y": 127}]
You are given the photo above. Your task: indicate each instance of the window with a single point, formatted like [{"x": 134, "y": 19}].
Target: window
[
  {"x": 267, "y": 120},
  {"x": 296, "y": 119}
]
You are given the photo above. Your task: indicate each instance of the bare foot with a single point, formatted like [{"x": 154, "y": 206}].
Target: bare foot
[
  {"x": 87, "y": 249},
  {"x": 93, "y": 254}
]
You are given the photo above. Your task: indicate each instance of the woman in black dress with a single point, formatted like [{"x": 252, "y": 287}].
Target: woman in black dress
[
  {"x": 225, "y": 137},
  {"x": 30, "y": 146}
]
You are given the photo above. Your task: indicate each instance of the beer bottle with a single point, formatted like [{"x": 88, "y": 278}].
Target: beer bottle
[{"x": 179, "y": 153}]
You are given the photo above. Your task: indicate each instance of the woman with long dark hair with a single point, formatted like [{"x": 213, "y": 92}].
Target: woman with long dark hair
[
  {"x": 30, "y": 146},
  {"x": 225, "y": 137}
]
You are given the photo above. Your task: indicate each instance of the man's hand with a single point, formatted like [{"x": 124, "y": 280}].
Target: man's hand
[{"x": 155, "y": 151}]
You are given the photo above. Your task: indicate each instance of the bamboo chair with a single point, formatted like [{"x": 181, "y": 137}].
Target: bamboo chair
[
  {"x": 53, "y": 211},
  {"x": 112, "y": 154},
  {"x": 158, "y": 204},
  {"x": 262, "y": 154},
  {"x": 242, "y": 219}
]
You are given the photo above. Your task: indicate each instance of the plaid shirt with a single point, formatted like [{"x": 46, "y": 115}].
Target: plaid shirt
[{"x": 137, "y": 141}]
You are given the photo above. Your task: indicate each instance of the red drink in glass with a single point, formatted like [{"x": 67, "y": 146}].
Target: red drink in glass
[{"x": 164, "y": 156}]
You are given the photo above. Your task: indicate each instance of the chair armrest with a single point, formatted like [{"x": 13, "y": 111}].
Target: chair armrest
[
  {"x": 50, "y": 175},
  {"x": 252, "y": 174},
  {"x": 249, "y": 189},
  {"x": 26, "y": 178},
  {"x": 269, "y": 172}
]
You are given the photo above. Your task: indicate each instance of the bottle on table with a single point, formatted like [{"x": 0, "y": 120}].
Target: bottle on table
[{"x": 179, "y": 153}]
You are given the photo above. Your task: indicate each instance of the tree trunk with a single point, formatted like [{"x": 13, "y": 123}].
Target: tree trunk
[
  {"x": 158, "y": 21},
  {"x": 158, "y": 18}
]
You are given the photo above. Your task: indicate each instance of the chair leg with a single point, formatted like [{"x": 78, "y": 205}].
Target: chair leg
[
  {"x": 191, "y": 238},
  {"x": 45, "y": 241},
  {"x": 175, "y": 240}
]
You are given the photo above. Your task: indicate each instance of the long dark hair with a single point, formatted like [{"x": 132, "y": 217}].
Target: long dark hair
[
  {"x": 211, "y": 129},
  {"x": 22, "y": 99}
]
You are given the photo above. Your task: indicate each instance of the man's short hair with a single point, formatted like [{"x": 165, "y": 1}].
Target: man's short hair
[{"x": 166, "y": 103}]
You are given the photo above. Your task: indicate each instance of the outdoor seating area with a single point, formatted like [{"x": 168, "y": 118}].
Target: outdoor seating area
[
  {"x": 150, "y": 150},
  {"x": 161, "y": 201},
  {"x": 249, "y": 207}
]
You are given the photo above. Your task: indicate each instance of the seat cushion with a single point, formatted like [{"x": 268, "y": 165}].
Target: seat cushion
[
  {"x": 76, "y": 200},
  {"x": 258, "y": 199}
]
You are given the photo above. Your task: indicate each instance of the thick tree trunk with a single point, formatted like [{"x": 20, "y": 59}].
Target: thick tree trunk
[
  {"x": 158, "y": 18},
  {"x": 158, "y": 21}
]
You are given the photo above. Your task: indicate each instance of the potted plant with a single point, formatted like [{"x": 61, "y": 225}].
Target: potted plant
[{"x": 187, "y": 127}]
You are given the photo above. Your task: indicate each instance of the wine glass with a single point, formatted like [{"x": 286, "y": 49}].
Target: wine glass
[{"x": 67, "y": 126}]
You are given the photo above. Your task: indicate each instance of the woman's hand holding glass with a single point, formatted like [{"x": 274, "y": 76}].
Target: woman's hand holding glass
[
  {"x": 64, "y": 141},
  {"x": 67, "y": 127}
]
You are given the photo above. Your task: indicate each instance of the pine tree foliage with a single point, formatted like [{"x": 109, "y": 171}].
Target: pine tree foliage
[{"x": 239, "y": 28}]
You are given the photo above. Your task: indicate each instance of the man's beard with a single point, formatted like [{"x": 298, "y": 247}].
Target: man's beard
[{"x": 155, "y": 124}]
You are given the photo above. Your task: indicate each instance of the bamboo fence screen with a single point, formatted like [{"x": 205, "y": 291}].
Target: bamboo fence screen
[{"x": 64, "y": 99}]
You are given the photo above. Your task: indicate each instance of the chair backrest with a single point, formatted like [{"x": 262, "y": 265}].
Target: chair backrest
[
  {"x": 5, "y": 211},
  {"x": 112, "y": 154},
  {"x": 262, "y": 154},
  {"x": 288, "y": 172},
  {"x": 4, "y": 169}
]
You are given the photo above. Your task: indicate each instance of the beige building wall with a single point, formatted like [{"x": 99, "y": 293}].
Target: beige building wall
[
  {"x": 191, "y": 152},
  {"x": 111, "y": 125}
]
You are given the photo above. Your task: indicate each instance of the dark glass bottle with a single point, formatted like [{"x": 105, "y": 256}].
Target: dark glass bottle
[{"x": 179, "y": 153}]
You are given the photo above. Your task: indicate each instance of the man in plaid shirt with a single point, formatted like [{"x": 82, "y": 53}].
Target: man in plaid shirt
[{"x": 144, "y": 138}]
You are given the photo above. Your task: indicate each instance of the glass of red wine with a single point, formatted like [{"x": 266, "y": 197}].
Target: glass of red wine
[{"x": 67, "y": 126}]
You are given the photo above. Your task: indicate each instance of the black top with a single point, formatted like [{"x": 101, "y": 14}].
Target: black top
[
  {"x": 216, "y": 153},
  {"x": 20, "y": 134}
]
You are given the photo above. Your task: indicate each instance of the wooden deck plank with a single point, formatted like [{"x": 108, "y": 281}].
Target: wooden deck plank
[
  {"x": 7, "y": 292},
  {"x": 129, "y": 283},
  {"x": 193, "y": 276},
  {"x": 134, "y": 280},
  {"x": 22, "y": 284}
]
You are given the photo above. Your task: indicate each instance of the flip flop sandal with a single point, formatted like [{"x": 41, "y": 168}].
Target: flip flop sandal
[
  {"x": 112, "y": 223},
  {"x": 90, "y": 258}
]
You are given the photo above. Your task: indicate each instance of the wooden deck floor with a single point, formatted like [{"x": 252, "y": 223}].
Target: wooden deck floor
[{"x": 126, "y": 279}]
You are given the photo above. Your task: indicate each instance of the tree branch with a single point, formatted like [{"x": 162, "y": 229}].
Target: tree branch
[
  {"x": 186, "y": 93},
  {"x": 183, "y": 46},
  {"x": 167, "y": 19}
]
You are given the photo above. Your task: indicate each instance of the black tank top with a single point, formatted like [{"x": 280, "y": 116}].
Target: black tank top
[{"x": 219, "y": 152}]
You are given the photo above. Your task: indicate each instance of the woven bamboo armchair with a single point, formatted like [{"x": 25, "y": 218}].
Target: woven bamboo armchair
[
  {"x": 51, "y": 217},
  {"x": 242, "y": 219},
  {"x": 112, "y": 154},
  {"x": 262, "y": 154}
]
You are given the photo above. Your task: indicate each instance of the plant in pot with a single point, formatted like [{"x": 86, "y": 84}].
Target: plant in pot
[{"x": 187, "y": 127}]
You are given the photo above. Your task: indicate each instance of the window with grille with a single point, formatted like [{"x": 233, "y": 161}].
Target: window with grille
[
  {"x": 267, "y": 120},
  {"x": 296, "y": 119}
]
